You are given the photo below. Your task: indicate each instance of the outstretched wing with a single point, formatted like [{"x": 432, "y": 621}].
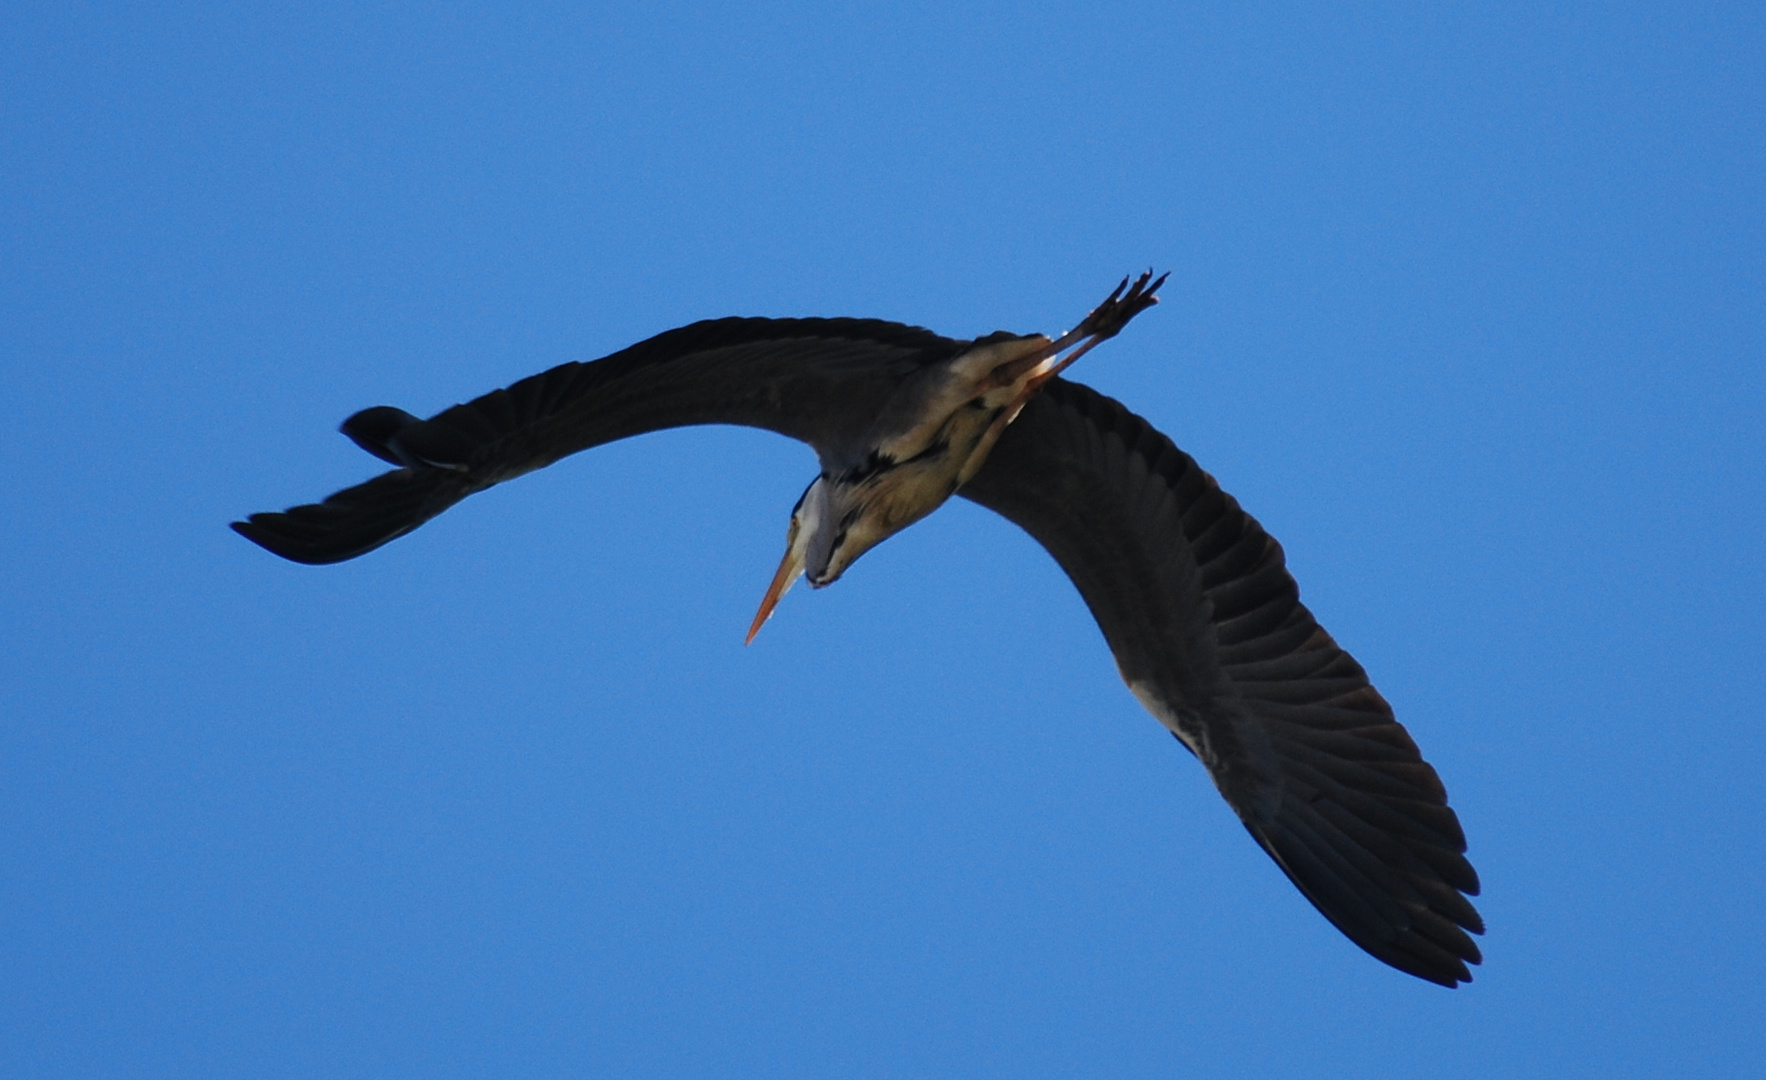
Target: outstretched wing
[
  {"x": 819, "y": 380},
  {"x": 1208, "y": 631}
]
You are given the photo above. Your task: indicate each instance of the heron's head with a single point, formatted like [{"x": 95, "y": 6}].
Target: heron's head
[{"x": 831, "y": 526}]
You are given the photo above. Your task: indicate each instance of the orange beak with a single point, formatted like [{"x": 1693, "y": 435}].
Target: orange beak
[{"x": 789, "y": 569}]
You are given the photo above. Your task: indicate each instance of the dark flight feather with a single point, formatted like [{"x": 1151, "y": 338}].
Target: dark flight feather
[
  {"x": 818, "y": 380},
  {"x": 1201, "y": 614}
]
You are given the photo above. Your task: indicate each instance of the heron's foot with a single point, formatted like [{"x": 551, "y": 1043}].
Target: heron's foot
[
  {"x": 1105, "y": 322},
  {"x": 1109, "y": 317}
]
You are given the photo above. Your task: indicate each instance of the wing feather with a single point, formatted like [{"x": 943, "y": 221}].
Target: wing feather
[
  {"x": 1207, "y": 627},
  {"x": 818, "y": 380}
]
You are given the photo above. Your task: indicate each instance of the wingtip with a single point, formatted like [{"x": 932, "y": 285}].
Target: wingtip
[
  {"x": 270, "y": 539},
  {"x": 248, "y": 530}
]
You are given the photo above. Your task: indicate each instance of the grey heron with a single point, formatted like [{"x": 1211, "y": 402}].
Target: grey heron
[{"x": 1192, "y": 596}]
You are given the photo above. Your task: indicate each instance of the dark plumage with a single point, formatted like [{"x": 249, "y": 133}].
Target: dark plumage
[{"x": 1192, "y": 595}]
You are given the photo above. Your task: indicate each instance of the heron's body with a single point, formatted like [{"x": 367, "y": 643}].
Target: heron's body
[{"x": 1192, "y": 595}]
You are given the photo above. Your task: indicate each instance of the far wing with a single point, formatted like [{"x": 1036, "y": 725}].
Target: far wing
[
  {"x": 1208, "y": 630},
  {"x": 818, "y": 380}
]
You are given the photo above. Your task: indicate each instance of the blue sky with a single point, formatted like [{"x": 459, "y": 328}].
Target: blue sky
[{"x": 1466, "y": 307}]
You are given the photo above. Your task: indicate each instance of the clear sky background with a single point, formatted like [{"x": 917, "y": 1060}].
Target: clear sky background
[{"x": 1467, "y": 307}]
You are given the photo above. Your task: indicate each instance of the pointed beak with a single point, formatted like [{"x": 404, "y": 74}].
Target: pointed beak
[{"x": 789, "y": 568}]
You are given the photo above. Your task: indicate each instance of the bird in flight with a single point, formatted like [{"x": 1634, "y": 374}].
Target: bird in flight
[{"x": 1193, "y": 597}]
